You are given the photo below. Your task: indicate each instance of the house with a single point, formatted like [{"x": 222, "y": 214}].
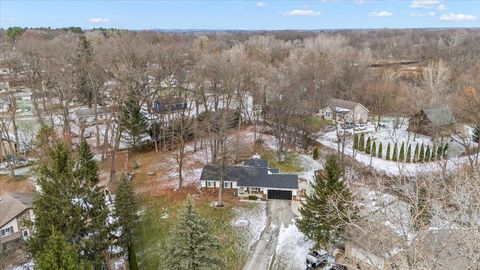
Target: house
[
  {"x": 87, "y": 115},
  {"x": 15, "y": 212},
  {"x": 252, "y": 177},
  {"x": 432, "y": 122},
  {"x": 343, "y": 111},
  {"x": 4, "y": 104}
]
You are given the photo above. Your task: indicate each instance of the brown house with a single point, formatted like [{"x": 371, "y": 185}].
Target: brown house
[{"x": 432, "y": 122}]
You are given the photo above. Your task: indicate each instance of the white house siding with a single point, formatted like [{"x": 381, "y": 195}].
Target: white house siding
[
  {"x": 359, "y": 113},
  {"x": 13, "y": 223},
  {"x": 216, "y": 184}
]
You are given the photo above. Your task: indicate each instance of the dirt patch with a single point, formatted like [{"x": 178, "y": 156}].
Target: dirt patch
[{"x": 15, "y": 184}]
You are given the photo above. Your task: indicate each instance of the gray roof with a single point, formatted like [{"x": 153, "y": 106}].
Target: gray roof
[
  {"x": 247, "y": 176},
  {"x": 256, "y": 162},
  {"x": 440, "y": 116},
  {"x": 343, "y": 104},
  {"x": 13, "y": 204}
]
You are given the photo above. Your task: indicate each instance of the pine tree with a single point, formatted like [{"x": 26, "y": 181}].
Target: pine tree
[
  {"x": 191, "y": 244},
  {"x": 380, "y": 151},
  {"x": 321, "y": 222},
  {"x": 315, "y": 153},
  {"x": 476, "y": 134},
  {"x": 387, "y": 156},
  {"x": 421, "y": 156},
  {"x": 83, "y": 58},
  {"x": 427, "y": 154},
  {"x": 368, "y": 147},
  {"x": 395, "y": 152},
  {"x": 401, "y": 156},
  {"x": 439, "y": 152},
  {"x": 126, "y": 212},
  {"x": 58, "y": 253},
  {"x": 409, "y": 153},
  {"x": 95, "y": 212},
  {"x": 355, "y": 141},
  {"x": 361, "y": 143},
  {"x": 417, "y": 151},
  {"x": 445, "y": 151},
  {"x": 421, "y": 211},
  {"x": 374, "y": 149},
  {"x": 434, "y": 153},
  {"x": 133, "y": 122}
]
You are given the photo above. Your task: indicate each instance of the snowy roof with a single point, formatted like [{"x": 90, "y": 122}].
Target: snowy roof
[
  {"x": 343, "y": 104},
  {"x": 440, "y": 116},
  {"x": 246, "y": 176}
]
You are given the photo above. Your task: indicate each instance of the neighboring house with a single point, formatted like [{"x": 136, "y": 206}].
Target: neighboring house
[
  {"x": 432, "y": 122},
  {"x": 343, "y": 111},
  {"x": 166, "y": 106},
  {"x": 87, "y": 115},
  {"x": 15, "y": 211},
  {"x": 4, "y": 104},
  {"x": 253, "y": 177}
]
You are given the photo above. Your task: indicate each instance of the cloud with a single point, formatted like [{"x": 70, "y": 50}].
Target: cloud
[
  {"x": 99, "y": 20},
  {"x": 261, "y": 4},
  {"x": 424, "y": 3},
  {"x": 359, "y": 2},
  {"x": 415, "y": 14},
  {"x": 301, "y": 13},
  {"x": 380, "y": 14},
  {"x": 441, "y": 7},
  {"x": 457, "y": 17}
]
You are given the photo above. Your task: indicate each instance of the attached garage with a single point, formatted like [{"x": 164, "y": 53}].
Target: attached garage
[{"x": 279, "y": 194}]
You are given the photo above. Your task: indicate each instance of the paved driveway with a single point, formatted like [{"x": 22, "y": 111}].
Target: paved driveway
[{"x": 279, "y": 213}]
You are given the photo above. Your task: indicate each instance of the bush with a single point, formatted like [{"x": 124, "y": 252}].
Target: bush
[
  {"x": 135, "y": 165},
  {"x": 387, "y": 157},
  {"x": 395, "y": 152},
  {"x": 427, "y": 154},
  {"x": 421, "y": 156},
  {"x": 368, "y": 147},
  {"x": 402, "y": 153},
  {"x": 380, "y": 151},
  {"x": 315, "y": 153},
  {"x": 415, "y": 155},
  {"x": 361, "y": 143},
  {"x": 355, "y": 141},
  {"x": 409, "y": 154},
  {"x": 374, "y": 149},
  {"x": 252, "y": 197}
]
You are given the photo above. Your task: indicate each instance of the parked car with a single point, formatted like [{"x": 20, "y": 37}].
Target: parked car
[
  {"x": 347, "y": 125},
  {"x": 360, "y": 127},
  {"x": 336, "y": 266},
  {"x": 316, "y": 259}
]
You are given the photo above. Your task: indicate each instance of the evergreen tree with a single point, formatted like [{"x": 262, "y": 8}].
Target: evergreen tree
[
  {"x": 427, "y": 154},
  {"x": 126, "y": 212},
  {"x": 315, "y": 153},
  {"x": 421, "y": 211},
  {"x": 58, "y": 253},
  {"x": 192, "y": 244},
  {"x": 374, "y": 149},
  {"x": 417, "y": 151},
  {"x": 476, "y": 134},
  {"x": 395, "y": 152},
  {"x": 439, "y": 152},
  {"x": 322, "y": 222},
  {"x": 368, "y": 147},
  {"x": 434, "y": 153},
  {"x": 133, "y": 122},
  {"x": 361, "y": 143},
  {"x": 445, "y": 151},
  {"x": 409, "y": 153},
  {"x": 401, "y": 156},
  {"x": 380, "y": 151},
  {"x": 82, "y": 60},
  {"x": 355, "y": 141},
  {"x": 421, "y": 156},
  {"x": 95, "y": 212},
  {"x": 387, "y": 156}
]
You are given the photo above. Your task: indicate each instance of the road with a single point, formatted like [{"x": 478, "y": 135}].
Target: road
[{"x": 278, "y": 212}]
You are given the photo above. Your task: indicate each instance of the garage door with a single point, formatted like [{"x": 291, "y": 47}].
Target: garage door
[{"x": 279, "y": 194}]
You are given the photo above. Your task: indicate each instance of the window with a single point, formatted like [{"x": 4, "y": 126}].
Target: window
[
  {"x": 209, "y": 184},
  {"x": 6, "y": 231},
  {"x": 255, "y": 189},
  {"x": 26, "y": 234},
  {"x": 226, "y": 184}
]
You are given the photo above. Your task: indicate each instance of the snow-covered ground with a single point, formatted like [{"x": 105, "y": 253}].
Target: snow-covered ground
[
  {"x": 292, "y": 249},
  {"x": 393, "y": 168},
  {"x": 27, "y": 266},
  {"x": 250, "y": 222}
]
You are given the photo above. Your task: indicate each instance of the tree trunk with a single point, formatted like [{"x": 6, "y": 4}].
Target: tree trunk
[{"x": 114, "y": 152}]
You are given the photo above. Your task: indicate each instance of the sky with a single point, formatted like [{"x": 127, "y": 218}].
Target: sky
[{"x": 241, "y": 15}]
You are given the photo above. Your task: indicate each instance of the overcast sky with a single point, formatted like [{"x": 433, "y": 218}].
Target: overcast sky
[{"x": 248, "y": 15}]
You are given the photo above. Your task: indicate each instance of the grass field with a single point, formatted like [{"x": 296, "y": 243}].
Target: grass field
[
  {"x": 159, "y": 219},
  {"x": 290, "y": 165}
]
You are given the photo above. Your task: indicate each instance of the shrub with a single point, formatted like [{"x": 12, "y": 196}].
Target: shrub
[
  {"x": 252, "y": 197},
  {"x": 415, "y": 155},
  {"x": 427, "y": 154},
  {"x": 355, "y": 141},
  {"x": 368, "y": 147},
  {"x": 409, "y": 153},
  {"x": 434, "y": 153},
  {"x": 135, "y": 165},
  {"x": 421, "y": 156},
  {"x": 445, "y": 151},
  {"x": 402, "y": 153},
  {"x": 439, "y": 152},
  {"x": 361, "y": 143},
  {"x": 395, "y": 152},
  {"x": 374, "y": 149}
]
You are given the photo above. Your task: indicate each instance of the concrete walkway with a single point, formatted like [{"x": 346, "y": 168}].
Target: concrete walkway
[{"x": 279, "y": 213}]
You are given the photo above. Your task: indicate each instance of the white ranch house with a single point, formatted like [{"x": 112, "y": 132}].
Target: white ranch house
[
  {"x": 343, "y": 111},
  {"x": 253, "y": 177}
]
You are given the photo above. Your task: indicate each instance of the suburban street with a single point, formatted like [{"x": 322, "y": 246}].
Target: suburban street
[{"x": 279, "y": 213}]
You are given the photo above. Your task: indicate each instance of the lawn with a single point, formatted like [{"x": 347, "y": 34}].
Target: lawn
[
  {"x": 159, "y": 218},
  {"x": 291, "y": 164},
  {"x": 18, "y": 183}
]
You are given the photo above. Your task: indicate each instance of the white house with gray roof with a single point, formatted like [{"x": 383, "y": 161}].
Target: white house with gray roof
[
  {"x": 252, "y": 177},
  {"x": 343, "y": 111}
]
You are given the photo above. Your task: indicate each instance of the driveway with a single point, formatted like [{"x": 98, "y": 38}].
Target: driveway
[{"x": 279, "y": 213}]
